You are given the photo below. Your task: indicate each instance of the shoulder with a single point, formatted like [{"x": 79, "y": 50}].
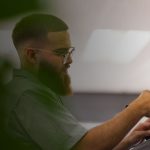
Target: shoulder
[{"x": 24, "y": 88}]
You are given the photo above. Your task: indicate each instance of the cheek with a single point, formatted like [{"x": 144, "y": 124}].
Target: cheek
[
  {"x": 58, "y": 66},
  {"x": 54, "y": 61}
]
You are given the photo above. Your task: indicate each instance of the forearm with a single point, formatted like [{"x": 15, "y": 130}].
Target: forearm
[
  {"x": 109, "y": 134},
  {"x": 136, "y": 136}
]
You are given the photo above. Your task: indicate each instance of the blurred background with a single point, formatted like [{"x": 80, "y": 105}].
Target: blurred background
[{"x": 111, "y": 64}]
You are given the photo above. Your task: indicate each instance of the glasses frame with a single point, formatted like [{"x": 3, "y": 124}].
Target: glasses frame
[{"x": 65, "y": 56}]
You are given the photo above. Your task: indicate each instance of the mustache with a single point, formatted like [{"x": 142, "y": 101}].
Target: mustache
[{"x": 67, "y": 66}]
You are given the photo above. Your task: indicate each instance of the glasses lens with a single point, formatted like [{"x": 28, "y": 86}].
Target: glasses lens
[
  {"x": 68, "y": 54},
  {"x": 61, "y": 52}
]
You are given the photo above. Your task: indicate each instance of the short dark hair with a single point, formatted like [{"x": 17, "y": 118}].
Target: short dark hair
[{"x": 36, "y": 26}]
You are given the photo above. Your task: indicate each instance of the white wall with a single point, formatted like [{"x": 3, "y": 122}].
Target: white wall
[{"x": 84, "y": 18}]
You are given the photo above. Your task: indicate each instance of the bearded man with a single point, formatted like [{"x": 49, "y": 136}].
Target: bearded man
[{"x": 34, "y": 117}]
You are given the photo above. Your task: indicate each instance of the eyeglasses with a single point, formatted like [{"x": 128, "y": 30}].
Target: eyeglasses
[{"x": 62, "y": 52}]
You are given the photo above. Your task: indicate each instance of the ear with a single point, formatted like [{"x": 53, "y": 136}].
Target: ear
[{"x": 31, "y": 55}]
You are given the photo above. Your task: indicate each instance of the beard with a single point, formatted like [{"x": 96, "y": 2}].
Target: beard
[{"x": 57, "y": 81}]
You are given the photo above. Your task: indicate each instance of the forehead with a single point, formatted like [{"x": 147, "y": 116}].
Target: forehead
[{"x": 59, "y": 39}]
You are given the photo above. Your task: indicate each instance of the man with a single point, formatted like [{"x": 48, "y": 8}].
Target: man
[{"x": 35, "y": 117}]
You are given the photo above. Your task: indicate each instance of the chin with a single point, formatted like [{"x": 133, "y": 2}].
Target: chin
[
  {"x": 69, "y": 92},
  {"x": 67, "y": 85},
  {"x": 66, "y": 90}
]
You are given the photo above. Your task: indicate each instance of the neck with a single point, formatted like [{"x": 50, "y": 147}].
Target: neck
[{"x": 29, "y": 69}]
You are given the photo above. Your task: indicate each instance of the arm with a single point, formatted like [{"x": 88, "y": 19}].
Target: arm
[
  {"x": 136, "y": 136},
  {"x": 109, "y": 134}
]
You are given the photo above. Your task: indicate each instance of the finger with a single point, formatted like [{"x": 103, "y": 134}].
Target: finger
[
  {"x": 147, "y": 120},
  {"x": 143, "y": 126},
  {"x": 141, "y": 134},
  {"x": 146, "y": 126}
]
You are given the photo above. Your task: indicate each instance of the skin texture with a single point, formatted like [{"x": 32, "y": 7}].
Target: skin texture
[{"x": 136, "y": 136}]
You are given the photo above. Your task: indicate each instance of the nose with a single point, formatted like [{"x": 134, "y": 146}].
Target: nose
[{"x": 69, "y": 60}]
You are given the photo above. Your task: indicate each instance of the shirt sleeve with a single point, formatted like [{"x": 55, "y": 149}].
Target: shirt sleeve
[{"x": 47, "y": 122}]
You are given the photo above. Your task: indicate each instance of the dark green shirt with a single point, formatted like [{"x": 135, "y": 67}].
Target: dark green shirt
[{"x": 36, "y": 117}]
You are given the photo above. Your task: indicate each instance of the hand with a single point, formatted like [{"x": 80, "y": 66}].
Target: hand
[
  {"x": 142, "y": 103},
  {"x": 136, "y": 136}
]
